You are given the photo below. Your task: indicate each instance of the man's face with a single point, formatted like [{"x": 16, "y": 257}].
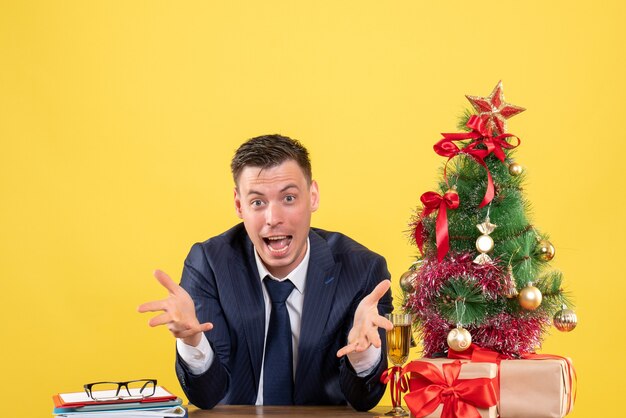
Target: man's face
[{"x": 276, "y": 205}]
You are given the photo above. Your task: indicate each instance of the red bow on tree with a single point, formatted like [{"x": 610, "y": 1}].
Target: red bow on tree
[
  {"x": 460, "y": 398},
  {"x": 480, "y": 135},
  {"x": 433, "y": 201}
]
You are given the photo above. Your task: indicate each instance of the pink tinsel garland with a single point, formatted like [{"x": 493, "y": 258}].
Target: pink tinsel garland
[{"x": 507, "y": 333}]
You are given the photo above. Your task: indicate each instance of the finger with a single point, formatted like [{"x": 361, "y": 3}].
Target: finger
[
  {"x": 157, "y": 305},
  {"x": 207, "y": 326},
  {"x": 382, "y": 322},
  {"x": 190, "y": 332},
  {"x": 162, "y": 319},
  {"x": 378, "y": 292},
  {"x": 346, "y": 350},
  {"x": 166, "y": 281}
]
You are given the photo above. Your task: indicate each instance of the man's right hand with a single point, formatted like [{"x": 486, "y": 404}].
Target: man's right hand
[{"x": 179, "y": 313}]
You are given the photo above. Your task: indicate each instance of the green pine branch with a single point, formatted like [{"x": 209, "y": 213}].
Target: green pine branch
[{"x": 462, "y": 301}]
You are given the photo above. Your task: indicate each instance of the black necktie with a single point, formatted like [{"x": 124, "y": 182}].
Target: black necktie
[{"x": 278, "y": 366}]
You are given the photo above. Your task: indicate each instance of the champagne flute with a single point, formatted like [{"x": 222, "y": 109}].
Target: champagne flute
[{"x": 398, "y": 345}]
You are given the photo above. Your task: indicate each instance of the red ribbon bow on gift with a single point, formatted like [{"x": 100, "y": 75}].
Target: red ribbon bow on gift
[
  {"x": 477, "y": 354},
  {"x": 460, "y": 398},
  {"x": 433, "y": 201},
  {"x": 398, "y": 383},
  {"x": 480, "y": 135}
]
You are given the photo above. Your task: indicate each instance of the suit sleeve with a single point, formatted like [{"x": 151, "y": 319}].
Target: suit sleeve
[
  {"x": 207, "y": 389},
  {"x": 363, "y": 393}
]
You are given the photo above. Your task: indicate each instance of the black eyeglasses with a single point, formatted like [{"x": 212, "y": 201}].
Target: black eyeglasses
[{"x": 133, "y": 389}]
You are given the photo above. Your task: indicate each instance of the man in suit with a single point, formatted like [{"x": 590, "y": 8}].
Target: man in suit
[{"x": 239, "y": 343}]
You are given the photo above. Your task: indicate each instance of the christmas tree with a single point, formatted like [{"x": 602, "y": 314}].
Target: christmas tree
[{"x": 483, "y": 271}]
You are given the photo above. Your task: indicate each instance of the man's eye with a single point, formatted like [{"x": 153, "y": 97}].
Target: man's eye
[
  {"x": 290, "y": 198},
  {"x": 256, "y": 203}
]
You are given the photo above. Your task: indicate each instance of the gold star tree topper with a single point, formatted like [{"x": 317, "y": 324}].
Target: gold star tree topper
[{"x": 494, "y": 110}]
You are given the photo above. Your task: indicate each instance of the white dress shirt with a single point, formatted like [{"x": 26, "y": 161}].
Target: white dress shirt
[{"x": 200, "y": 358}]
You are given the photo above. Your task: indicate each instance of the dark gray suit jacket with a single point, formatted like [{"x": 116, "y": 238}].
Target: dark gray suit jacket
[{"x": 221, "y": 276}]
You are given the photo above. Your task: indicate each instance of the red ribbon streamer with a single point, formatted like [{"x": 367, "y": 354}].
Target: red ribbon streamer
[
  {"x": 479, "y": 135},
  {"x": 460, "y": 398},
  {"x": 433, "y": 201},
  {"x": 399, "y": 383}
]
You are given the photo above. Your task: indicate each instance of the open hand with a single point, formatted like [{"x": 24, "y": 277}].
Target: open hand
[
  {"x": 179, "y": 313},
  {"x": 364, "y": 330}
]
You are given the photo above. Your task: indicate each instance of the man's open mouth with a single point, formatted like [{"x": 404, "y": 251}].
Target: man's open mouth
[{"x": 278, "y": 243}]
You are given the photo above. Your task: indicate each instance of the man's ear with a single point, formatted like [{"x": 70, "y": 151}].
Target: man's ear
[
  {"x": 237, "y": 200},
  {"x": 314, "y": 192}
]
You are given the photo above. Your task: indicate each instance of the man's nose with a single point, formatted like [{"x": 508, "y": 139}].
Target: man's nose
[{"x": 273, "y": 214}]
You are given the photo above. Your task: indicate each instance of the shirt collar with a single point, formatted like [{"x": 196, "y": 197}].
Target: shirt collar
[{"x": 297, "y": 275}]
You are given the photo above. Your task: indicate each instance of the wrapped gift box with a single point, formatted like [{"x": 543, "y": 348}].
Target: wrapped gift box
[
  {"x": 536, "y": 388},
  {"x": 469, "y": 371}
]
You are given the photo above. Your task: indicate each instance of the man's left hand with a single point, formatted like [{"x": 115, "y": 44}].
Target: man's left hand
[{"x": 364, "y": 330}]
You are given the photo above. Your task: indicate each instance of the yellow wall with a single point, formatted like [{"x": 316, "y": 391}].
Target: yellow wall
[{"x": 118, "y": 121}]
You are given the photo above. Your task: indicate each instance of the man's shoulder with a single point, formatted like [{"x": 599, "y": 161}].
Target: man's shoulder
[
  {"x": 235, "y": 234},
  {"x": 342, "y": 245},
  {"x": 356, "y": 260},
  {"x": 234, "y": 239}
]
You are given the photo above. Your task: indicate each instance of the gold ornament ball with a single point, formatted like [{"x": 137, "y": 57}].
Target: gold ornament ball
[
  {"x": 484, "y": 243},
  {"x": 565, "y": 320},
  {"x": 406, "y": 281},
  {"x": 459, "y": 339},
  {"x": 545, "y": 250},
  {"x": 515, "y": 169},
  {"x": 530, "y": 297}
]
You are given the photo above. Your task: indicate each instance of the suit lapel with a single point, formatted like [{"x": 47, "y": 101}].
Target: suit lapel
[
  {"x": 246, "y": 287},
  {"x": 319, "y": 292}
]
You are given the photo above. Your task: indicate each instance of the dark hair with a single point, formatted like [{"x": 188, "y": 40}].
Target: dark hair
[{"x": 269, "y": 151}]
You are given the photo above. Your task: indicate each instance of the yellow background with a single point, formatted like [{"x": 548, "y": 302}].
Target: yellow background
[{"x": 118, "y": 121}]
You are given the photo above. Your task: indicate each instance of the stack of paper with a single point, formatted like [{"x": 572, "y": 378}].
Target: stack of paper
[{"x": 162, "y": 404}]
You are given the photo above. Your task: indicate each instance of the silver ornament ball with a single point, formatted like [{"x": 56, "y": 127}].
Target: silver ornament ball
[
  {"x": 407, "y": 281},
  {"x": 565, "y": 320}
]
